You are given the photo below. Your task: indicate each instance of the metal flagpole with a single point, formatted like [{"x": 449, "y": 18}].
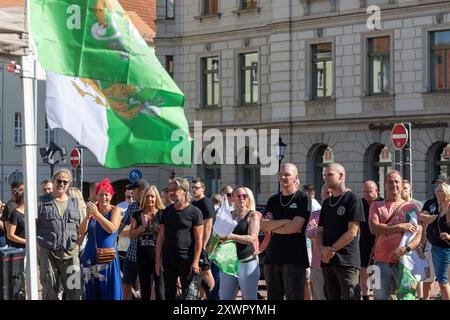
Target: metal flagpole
[{"x": 30, "y": 161}]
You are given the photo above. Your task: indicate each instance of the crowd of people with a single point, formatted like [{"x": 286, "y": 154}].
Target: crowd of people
[{"x": 151, "y": 245}]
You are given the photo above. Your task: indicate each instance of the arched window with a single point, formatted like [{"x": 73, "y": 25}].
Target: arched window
[
  {"x": 377, "y": 163},
  {"x": 316, "y": 164},
  {"x": 249, "y": 175},
  {"x": 211, "y": 174},
  {"x": 437, "y": 164}
]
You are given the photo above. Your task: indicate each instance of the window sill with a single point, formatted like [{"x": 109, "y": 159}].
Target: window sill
[
  {"x": 321, "y": 100},
  {"x": 164, "y": 19},
  {"x": 378, "y": 96},
  {"x": 208, "y": 107},
  {"x": 217, "y": 15},
  {"x": 238, "y": 12},
  {"x": 437, "y": 92},
  {"x": 248, "y": 105}
]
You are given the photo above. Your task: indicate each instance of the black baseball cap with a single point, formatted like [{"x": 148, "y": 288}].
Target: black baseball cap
[
  {"x": 141, "y": 184},
  {"x": 440, "y": 179}
]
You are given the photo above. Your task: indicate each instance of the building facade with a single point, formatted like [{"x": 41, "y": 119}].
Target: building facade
[{"x": 322, "y": 74}]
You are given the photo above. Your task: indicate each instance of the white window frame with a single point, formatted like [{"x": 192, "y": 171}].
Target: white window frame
[
  {"x": 308, "y": 66},
  {"x": 173, "y": 3},
  {"x": 202, "y": 86},
  {"x": 365, "y": 63},
  {"x": 239, "y": 55},
  {"x": 48, "y": 133},
  {"x": 18, "y": 129}
]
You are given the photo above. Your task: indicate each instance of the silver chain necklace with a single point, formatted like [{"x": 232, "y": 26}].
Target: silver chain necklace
[
  {"x": 292, "y": 197},
  {"x": 333, "y": 205}
]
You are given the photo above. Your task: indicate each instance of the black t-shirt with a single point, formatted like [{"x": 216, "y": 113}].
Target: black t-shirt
[
  {"x": 367, "y": 239},
  {"x": 431, "y": 206},
  {"x": 179, "y": 241},
  {"x": 9, "y": 208},
  {"x": 147, "y": 239},
  {"x": 334, "y": 219},
  {"x": 288, "y": 248},
  {"x": 206, "y": 207},
  {"x": 434, "y": 232},
  {"x": 17, "y": 218}
]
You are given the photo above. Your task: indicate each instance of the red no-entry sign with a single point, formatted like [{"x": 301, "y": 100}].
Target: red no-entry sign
[
  {"x": 399, "y": 136},
  {"x": 75, "y": 158}
]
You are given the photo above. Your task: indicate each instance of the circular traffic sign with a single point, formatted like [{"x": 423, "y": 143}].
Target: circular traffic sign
[
  {"x": 135, "y": 174},
  {"x": 75, "y": 158},
  {"x": 399, "y": 136}
]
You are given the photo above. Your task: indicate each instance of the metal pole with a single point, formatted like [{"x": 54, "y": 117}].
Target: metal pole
[
  {"x": 81, "y": 169},
  {"x": 398, "y": 161},
  {"x": 407, "y": 156},
  {"x": 278, "y": 175},
  {"x": 29, "y": 156}
]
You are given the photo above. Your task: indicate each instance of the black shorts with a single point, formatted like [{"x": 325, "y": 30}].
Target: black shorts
[{"x": 204, "y": 262}]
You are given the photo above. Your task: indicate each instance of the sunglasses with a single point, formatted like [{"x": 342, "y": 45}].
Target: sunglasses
[
  {"x": 195, "y": 188},
  {"x": 242, "y": 196},
  {"x": 65, "y": 182},
  {"x": 229, "y": 194}
]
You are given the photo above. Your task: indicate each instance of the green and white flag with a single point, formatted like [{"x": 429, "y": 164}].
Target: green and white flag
[
  {"x": 105, "y": 85},
  {"x": 411, "y": 266},
  {"x": 115, "y": 124}
]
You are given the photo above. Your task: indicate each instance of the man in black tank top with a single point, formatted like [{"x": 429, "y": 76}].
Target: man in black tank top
[{"x": 286, "y": 259}]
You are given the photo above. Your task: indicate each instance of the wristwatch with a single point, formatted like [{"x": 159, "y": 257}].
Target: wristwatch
[{"x": 408, "y": 249}]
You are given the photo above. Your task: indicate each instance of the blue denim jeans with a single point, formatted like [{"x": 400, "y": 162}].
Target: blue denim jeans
[
  {"x": 388, "y": 274},
  {"x": 214, "y": 293},
  {"x": 441, "y": 261}
]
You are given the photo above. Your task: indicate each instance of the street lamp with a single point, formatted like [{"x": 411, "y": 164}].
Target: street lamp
[{"x": 280, "y": 149}]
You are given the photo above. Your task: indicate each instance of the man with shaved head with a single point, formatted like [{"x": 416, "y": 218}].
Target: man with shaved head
[
  {"x": 367, "y": 239},
  {"x": 286, "y": 260},
  {"x": 338, "y": 237}
]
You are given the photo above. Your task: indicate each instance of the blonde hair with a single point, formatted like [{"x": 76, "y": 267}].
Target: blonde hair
[
  {"x": 446, "y": 188},
  {"x": 159, "y": 204},
  {"x": 392, "y": 172},
  {"x": 251, "y": 198},
  {"x": 64, "y": 173}
]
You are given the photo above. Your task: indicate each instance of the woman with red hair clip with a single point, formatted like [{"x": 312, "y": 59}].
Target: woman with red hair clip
[{"x": 101, "y": 274}]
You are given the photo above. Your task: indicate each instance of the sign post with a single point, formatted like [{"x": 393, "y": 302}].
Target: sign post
[
  {"x": 77, "y": 167},
  {"x": 401, "y": 140},
  {"x": 407, "y": 156}
]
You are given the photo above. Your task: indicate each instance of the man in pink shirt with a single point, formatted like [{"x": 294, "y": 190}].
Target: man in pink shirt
[{"x": 387, "y": 221}]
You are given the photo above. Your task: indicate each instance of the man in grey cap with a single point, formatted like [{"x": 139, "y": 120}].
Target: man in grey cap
[
  {"x": 130, "y": 266},
  {"x": 179, "y": 243}
]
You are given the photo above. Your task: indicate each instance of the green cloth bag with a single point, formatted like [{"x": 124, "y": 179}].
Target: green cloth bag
[{"x": 224, "y": 255}]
